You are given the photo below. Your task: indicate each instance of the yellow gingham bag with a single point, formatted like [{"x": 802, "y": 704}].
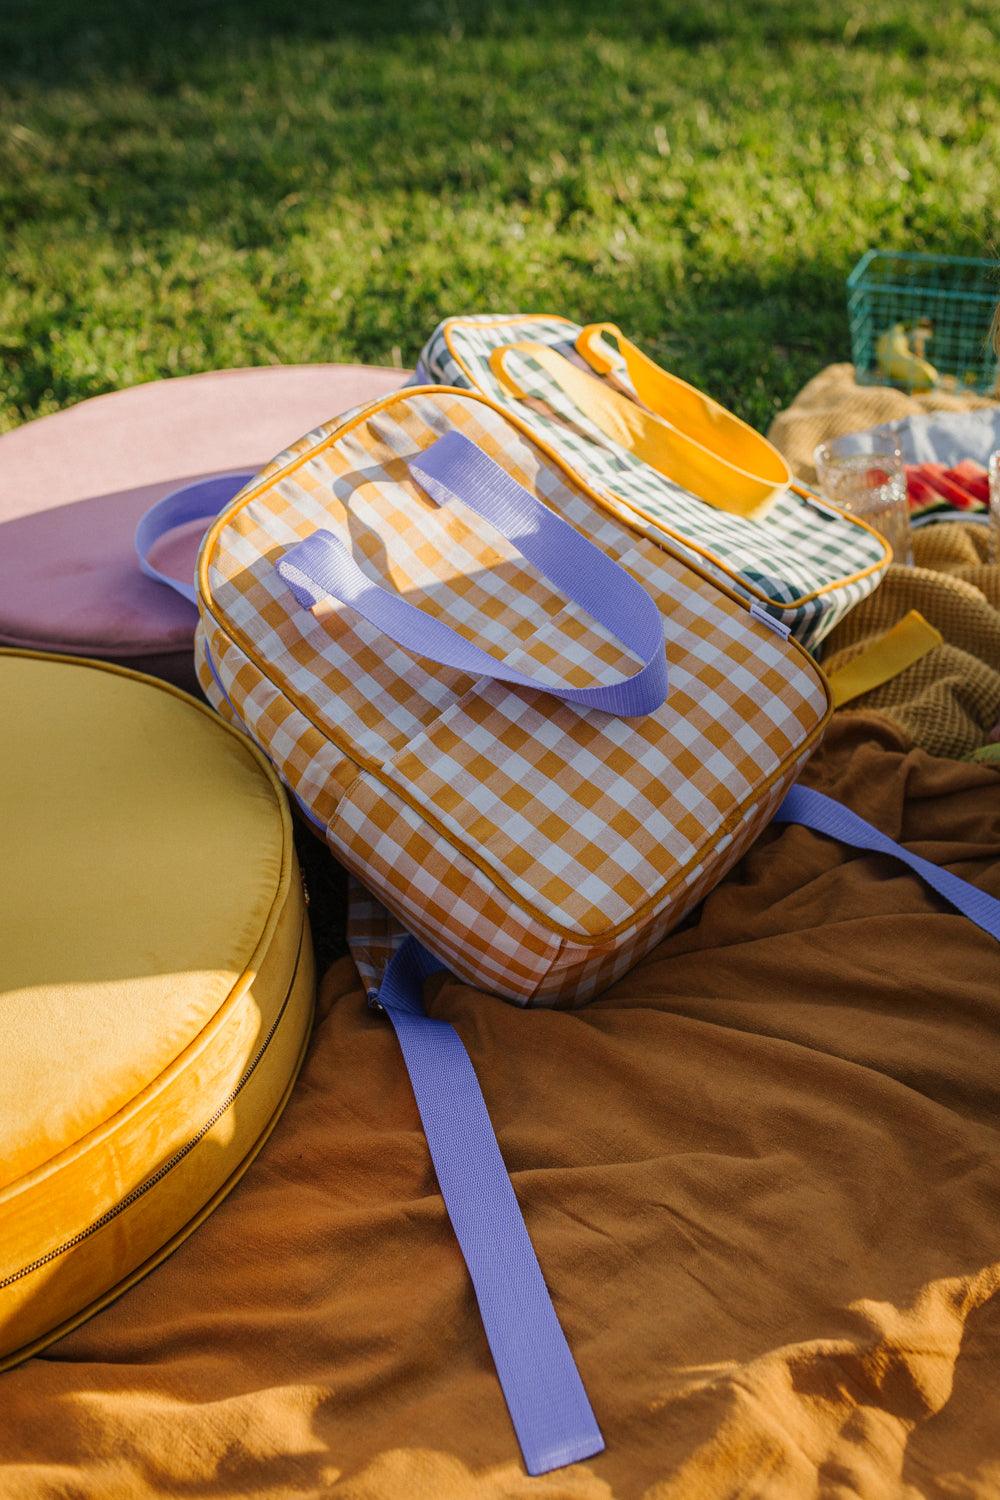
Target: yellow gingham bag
[
  {"x": 536, "y": 734},
  {"x": 537, "y": 848}
]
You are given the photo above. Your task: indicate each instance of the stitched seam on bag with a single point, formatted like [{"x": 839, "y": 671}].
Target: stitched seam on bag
[{"x": 641, "y": 914}]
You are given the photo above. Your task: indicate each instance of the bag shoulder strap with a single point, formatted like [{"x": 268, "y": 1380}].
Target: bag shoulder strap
[
  {"x": 552, "y": 1417},
  {"x": 826, "y": 815}
]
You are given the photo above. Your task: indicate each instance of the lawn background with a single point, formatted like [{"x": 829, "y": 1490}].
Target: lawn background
[{"x": 187, "y": 186}]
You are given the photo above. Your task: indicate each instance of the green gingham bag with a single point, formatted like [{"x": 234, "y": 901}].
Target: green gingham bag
[{"x": 802, "y": 560}]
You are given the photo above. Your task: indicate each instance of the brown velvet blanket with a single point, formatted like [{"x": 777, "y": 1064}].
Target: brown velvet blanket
[{"x": 762, "y": 1174}]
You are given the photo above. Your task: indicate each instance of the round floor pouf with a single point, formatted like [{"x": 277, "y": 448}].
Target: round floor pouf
[
  {"x": 156, "y": 980},
  {"x": 73, "y": 486}
]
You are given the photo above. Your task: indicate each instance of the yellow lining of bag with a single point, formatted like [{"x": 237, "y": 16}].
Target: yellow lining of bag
[
  {"x": 910, "y": 639},
  {"x": 737, "y": 582},
  {"x": 702, "y": 447}
]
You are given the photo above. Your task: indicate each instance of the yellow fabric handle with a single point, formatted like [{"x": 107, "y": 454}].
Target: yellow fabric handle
[
  {"x": 725, "y": 461},
  {"x": 650, "y": 437},
  {"x": 909, "y": 639}
]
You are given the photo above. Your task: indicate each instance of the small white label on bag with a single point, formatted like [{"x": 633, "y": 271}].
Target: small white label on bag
[{"x": 766, "y": 618}]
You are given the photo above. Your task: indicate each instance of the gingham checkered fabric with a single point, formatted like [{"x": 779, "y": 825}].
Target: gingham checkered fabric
[
  {"x": 537, "y": 848},
  {"x": 808, "y": 563}
]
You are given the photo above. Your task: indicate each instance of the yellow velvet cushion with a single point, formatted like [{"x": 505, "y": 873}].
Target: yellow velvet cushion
[{"x": 156, "y": 979}]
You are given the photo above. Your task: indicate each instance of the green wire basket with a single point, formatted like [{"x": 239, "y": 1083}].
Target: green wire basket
[{"x": 944, "y": 305}]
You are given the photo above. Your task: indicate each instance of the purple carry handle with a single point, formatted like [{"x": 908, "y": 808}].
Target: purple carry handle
[
  {"x": 454, "y": 468},
  {"x": 200, "y": 501}
]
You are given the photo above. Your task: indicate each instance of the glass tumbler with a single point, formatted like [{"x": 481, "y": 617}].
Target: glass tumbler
[{"x": 870, "y": 482}]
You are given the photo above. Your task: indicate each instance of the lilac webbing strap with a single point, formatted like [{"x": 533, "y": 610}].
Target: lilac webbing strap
[
  {"x": 200, "y": 501},
  {"x": 454, "y": 468},
  {"x": 548, "y": 1405},
  {"x": 825, "y": 815}
]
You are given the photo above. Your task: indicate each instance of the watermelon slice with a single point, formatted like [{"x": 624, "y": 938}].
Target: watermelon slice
[
  {"x": 936, "y": 475},
  {"x": 921, "y": 495},
  {"x": 972, "y": 477}
]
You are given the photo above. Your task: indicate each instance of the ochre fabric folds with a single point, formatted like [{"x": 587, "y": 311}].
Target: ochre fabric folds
[{"x": 761, "y": 1173}]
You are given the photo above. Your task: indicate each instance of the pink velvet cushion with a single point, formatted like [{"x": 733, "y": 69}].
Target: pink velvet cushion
[{"x": 73, "y": 486}]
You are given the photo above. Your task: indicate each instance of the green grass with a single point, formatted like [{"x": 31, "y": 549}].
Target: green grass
[{"x": 229, "y": 182}]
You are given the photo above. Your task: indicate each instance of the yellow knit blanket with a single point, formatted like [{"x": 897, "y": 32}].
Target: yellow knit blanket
[{"x": 948, "y": 702}]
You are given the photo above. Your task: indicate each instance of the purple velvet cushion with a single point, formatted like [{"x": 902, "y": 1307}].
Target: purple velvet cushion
[{"x": 73, "y": 486}]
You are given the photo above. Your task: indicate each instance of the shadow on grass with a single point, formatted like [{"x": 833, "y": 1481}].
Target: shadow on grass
[
  {"x": 239, "y": 182},
  {"x": 61, "y": 44},
  {"x": 750, "y": 341}
]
